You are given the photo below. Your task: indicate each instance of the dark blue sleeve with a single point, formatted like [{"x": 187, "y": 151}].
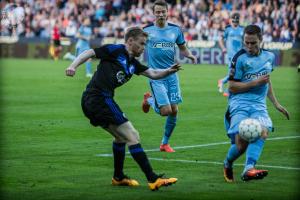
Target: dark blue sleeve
[
  {"x": 235, "y": 71},
  {"x": 139, "y": 68},
  {"x": 102, "y": 52}
]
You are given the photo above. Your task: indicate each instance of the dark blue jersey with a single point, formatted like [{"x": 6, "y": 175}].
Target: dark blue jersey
[{"x": 116, "y": 67}]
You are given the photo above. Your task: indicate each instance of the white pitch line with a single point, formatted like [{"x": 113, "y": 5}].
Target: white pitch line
[
  {"x": 212, "y": 162},
  {"x": 220, "y": 143},
  {"x": 219, "y": 163},
  {"x": 204, "y": 145}
]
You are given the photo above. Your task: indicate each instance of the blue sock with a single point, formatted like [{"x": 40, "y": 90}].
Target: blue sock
[
  {"x": 88, "y": 67},
  {"x": 151, "y": 102},
  {"x": 138, "y": 154},
  {"x": 119, "y": 157},
  {"x": 225, "y": 79},
  {"x": 232, "y": 155},
  {"x": 253, "y": 153},
  {"x": 169, "y": 127}
]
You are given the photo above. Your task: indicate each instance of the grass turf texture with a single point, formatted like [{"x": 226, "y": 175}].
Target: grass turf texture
[{"x": 48, "y": 148}]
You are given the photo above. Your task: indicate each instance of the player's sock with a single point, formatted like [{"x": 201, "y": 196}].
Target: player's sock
[
  {"x": 138, "y": 154},
  {"x": 151, "y": 102},
  {"x": 225, "y": 80},
  {"x": 88, "y": 67},
  {"x": 119, "y": 156},
  {"x": 232, "y": 154},
  {"x": 56, "y": 53},
  {"x": 169, "y": 127},
  {"x": 253, "y": 153}
]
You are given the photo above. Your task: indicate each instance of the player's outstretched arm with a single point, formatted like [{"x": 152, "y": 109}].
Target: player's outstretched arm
[
  {"x": 84, "y": 56},
  {"x": 161, "y": 73},
  {"x": 238, "y": 87},
  {"x": 274, "y": 101}
]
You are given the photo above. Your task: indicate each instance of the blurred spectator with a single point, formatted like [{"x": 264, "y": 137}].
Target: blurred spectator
[
  {"x": 267, "y": 36},
  {"x": 71, "y": 27}
]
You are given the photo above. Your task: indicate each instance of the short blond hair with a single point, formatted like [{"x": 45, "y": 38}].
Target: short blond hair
[{"x": 135, "y": 32}]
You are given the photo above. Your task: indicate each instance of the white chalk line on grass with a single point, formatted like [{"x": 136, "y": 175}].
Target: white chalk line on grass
[
  {"x": 220, "y": 163},
  {"x": 212, "y": 162},
  {"x": 206, "y": 145},
  {"x": 221, "y": 143}
]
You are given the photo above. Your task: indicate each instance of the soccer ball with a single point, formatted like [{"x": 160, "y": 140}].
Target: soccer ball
[{"x": 250, "y": 129}]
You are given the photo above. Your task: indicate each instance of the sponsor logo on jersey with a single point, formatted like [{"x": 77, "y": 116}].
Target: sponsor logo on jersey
[
  {"x": 253, "y": 76},
  {"x": 162, "y": 45},
  {"x": 131, "y": 69},
  {"x": 121, "y": 77}
]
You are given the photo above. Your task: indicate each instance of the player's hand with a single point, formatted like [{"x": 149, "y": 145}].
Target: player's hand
[
  {"x": 224, "y": 51},
  {"x": 193, "y": 58},
  {"x": 175, "y": 68},
  {"x": 70, "y": 71},
  {"x": 284, "y": 111},
  {"x": 263, "y": 80}
]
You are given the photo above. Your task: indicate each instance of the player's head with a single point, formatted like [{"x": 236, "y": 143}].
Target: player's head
[
  {"x": 252, "y": 39},
  {"x": 87, "y": 21},
  {"x": 235, "y": 19},
  {"x": 160, "y": 11},
  {"x": 135, "y": 40}
]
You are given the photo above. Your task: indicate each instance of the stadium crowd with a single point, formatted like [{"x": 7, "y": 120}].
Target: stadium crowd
[{"x": 199, "y": 19}]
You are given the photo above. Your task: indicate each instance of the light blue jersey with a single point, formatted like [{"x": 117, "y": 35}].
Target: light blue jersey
[
  {"x": 234, "y": 40},
  {"x": 161, "y": 43},
  {"x": 81, "y": 44},
  {"x": 252, "y": 103},
  {"x": 245, "y": 68}
]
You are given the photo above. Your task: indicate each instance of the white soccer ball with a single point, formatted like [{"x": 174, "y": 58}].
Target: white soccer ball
[{"x": 250, "y": 129}]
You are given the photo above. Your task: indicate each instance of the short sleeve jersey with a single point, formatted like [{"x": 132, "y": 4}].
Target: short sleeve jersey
[
  {"x": 160, "y": 47},
  {"x": 244, "y": 68},
  {"x": 87, "y": 32},
  {"x": 234, "y": 40},
  {"x": 116, "y": 67}
]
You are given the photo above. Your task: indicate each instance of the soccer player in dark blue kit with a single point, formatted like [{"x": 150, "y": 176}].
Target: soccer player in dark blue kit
[
  {"x": 249, "y": 85},
  {"x": 117, "y": 65}
]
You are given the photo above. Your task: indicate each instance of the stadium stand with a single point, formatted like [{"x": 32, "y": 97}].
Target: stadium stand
[{"x": 199, "y": 19}]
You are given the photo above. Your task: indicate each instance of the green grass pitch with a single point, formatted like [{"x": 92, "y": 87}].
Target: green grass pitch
[{"x": 49, "y": 150}]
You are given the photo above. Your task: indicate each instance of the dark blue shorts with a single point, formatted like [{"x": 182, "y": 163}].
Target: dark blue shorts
[{"x": 102, "y": 110}]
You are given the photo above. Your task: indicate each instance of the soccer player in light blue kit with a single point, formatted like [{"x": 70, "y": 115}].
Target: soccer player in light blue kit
[
  {"x": 84, "y": 35},
  {"x": 233, "y": 36},
  {"x": 160, "y": 47},
  {"x": 249, "y": 85}
]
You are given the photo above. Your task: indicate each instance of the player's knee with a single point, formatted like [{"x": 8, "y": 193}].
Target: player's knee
[
  {"x": 264, "y": 134},
  {"x": 240, "y": 148},
  {"x": 174, "y": 108},
  {"x": 241, "y": 145},
  {"x": 134, "y": 138},
  {"x": 165, "y": 111},
  {"x": 174, "y": 112},
  {"x": 119, "y": 140}
]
